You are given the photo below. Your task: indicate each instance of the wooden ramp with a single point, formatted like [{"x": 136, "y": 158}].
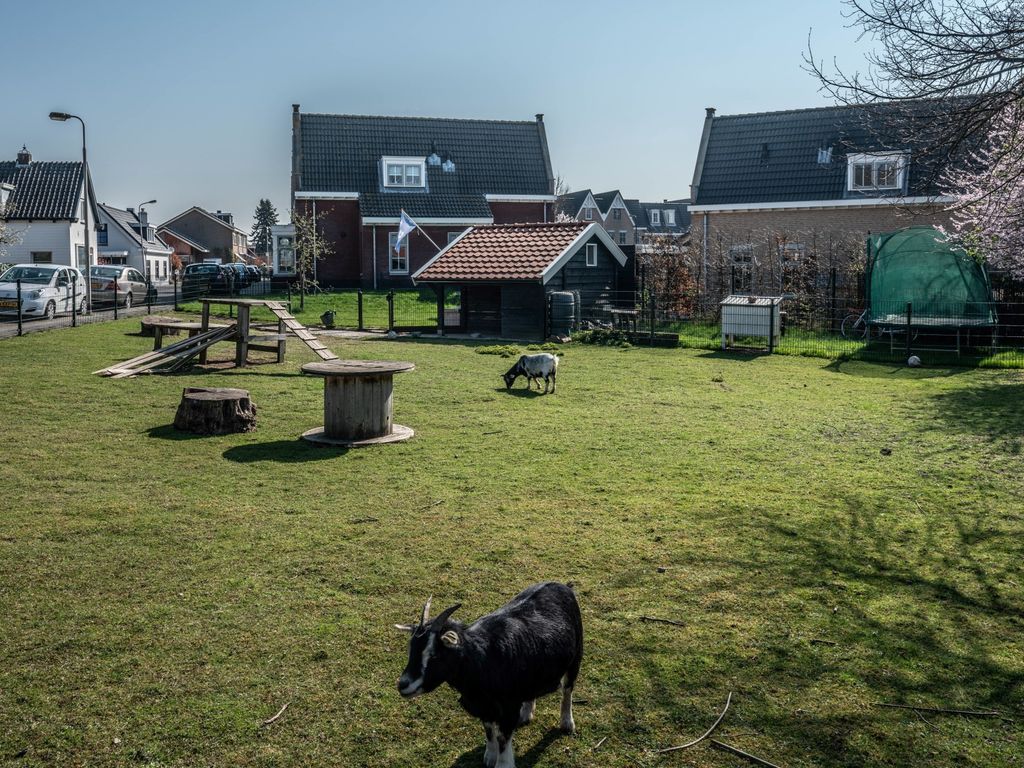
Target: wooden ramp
[
  {"x": 169, "y": 358},
  {"x": 281, "y": 312}
]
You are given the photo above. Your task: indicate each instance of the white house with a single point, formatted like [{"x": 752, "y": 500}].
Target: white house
[
  {"x": 48, "y": 207},
  {"x": 126, "y": 237},
  {"x": 282, "y": 237}
]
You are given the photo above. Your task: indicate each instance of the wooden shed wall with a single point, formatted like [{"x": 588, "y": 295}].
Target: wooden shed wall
[
  {"x": 597, "y": 285},
  {"x": 522, "y": 311}
]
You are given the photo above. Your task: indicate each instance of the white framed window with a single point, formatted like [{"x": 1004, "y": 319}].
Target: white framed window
[
  {"x": 655, "y": 217},
  {"x": 741, "y": 258},
  {"x": 588, "y": 213},
  {"x": 880, "y": 171},
  {"x": 622, "y": 237},
  {"x": 591, "y": 254},
  {"x": 616, "y": 213},
  {"x": 670, "y": 217},
  {"x": 453, "y": 235},
  {"x": 398, "y": 262},
  {"x": 404, "y": 172}
]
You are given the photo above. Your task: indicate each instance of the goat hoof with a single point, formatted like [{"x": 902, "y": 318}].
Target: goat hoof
[{"x": 568, "y": 727}]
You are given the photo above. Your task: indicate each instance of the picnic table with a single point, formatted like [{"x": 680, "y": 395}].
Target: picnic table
[
  {"x": 357, "y": 403},
  {"x": 625, "y": 319},
  {"x": 244, "y": 339}
]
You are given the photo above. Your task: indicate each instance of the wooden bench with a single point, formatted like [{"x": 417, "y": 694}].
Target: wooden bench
[{"x": 161, "y": 327}]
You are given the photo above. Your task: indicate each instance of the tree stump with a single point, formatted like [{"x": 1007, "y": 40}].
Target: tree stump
[
  {"x": 148, "y": 322},
  {"x": 215, "y": 411}
]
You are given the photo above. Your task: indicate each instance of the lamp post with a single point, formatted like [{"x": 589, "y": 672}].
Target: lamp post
[
  {"x": 142, "y": 234},
  {"x": 61, "y": 117}
]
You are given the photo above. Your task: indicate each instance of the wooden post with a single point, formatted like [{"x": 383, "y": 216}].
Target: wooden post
[
  {"x": 242, "y": 345},
  {"x": 205, "y": 326},
  {"x": 439, "y": 292},
  {"x": 391, "y": 310},
  {"x": 282, "y": 329},
  {"x": 359, "y": 307}
]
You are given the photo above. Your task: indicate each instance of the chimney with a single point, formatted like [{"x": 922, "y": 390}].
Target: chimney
[
  {"x": 296, "y": 180},
  {"x": 143, "y": 219},
  {"x": 709, "y": 111},
  {"x": 131, "y": 211},
  {"x": 702, "y": 150},
  {"x": 540, "y": 117},
  {"x": 295, "y": 109},
  {"x": 24, "y": 157}
]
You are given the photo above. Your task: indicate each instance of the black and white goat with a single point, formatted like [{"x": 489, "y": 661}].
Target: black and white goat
[
  {"x": 533, "y": 367},
  {"x": 502, "y": 662}
]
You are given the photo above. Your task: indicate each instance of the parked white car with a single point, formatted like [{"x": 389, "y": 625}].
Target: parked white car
[{"x": 46, "y": 290}]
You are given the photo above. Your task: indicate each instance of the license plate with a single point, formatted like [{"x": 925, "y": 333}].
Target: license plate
[{"x": 8, "y": 303}]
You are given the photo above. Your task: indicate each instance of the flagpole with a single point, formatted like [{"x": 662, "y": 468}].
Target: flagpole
[{"x": 428, "y": 237}]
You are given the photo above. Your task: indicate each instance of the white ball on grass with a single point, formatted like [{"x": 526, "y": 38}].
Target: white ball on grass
[{"x": 914, "y": 361}]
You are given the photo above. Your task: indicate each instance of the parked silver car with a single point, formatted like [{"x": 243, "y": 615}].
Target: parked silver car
[
  {"x": 46, "y": 290},
  {"x": 132, "y": 287}
]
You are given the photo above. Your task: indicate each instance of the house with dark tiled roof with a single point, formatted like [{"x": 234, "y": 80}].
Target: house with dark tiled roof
[
  {"x": 784, "y": 201},
  {"x": 125, "y": 236},
  {"x": 668, "y": 221},
  {"x": 197, "y": 235},
  {"x": 47, "y": 206},
  {"x": 607, "y": 208},
  {"x": 506, "y": 273},
  {"x": 358, "y": 173}
]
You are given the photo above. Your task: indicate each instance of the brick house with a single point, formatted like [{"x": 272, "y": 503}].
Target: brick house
[
  {"x": 358, "y": 173},
  {"x": 783, "y": 201},
  {"x": 198, "y": 235},
  {"x": 609, "y": 209}
]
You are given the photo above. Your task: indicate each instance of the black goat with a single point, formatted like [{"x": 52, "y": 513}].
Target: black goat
[{"x": 502, "y": 662}]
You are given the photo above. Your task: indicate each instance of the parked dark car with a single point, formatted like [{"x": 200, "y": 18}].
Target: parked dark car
[
  {"x": 255, "y": 275},
  {"x": 202, "y": 279},
  {"x": 241, "y": 275},
  {"x": 131, "y": 286}
]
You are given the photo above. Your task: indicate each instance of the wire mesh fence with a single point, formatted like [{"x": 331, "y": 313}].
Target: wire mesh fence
[{"x": 822, "y": 325}]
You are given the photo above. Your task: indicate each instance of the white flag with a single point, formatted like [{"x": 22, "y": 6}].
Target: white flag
[{"x": 405, "y": 226}]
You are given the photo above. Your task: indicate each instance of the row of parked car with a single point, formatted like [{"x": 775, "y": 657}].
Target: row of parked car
[
  {"x": 48, "y": 290},
  {"x": 218, "y": 278}
]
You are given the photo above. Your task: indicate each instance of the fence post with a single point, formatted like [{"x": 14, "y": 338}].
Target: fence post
[
  {"x": 115, "y": 298},
  {"x": 176, "y": 307},
  {"x": 910, "y": 308},
  {"x": 359, "y": 309},
  {"x": 391, "y": 310},
  {"x": 18, "y": 284},
  {"x": 653, "y": 303},
  {"x": 771, "y": 327},
  {"x": 74, "y": 300}
]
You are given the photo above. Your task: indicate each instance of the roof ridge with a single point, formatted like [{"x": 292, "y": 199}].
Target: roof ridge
[
  {"x": 823, "y": 107},
  {"x": 421, "y": 117}
]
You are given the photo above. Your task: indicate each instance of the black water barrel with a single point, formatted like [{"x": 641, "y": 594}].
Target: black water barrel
[{"x": 563, "y": 312}]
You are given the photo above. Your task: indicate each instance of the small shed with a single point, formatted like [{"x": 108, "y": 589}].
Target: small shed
[
  {"x": 505, "y": 272},
  {"x": 747, "y": 316}
]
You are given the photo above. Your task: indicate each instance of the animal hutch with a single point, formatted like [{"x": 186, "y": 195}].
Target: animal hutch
[{"x": 751, "y": 316}]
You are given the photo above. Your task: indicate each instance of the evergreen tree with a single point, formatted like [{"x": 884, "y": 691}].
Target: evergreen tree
[{"x": 263, "y": 219}]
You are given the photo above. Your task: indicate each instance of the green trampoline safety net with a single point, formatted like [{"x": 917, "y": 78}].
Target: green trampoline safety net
[{"x": 943, "y": 285}]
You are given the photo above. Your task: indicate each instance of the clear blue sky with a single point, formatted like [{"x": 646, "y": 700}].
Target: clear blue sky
[{"x": 189, "y": 102}]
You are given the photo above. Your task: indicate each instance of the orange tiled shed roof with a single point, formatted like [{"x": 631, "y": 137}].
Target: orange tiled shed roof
[{"x": 503, "y": 252}]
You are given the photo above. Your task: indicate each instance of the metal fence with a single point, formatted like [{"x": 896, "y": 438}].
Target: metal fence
[{"x": 940, "y": 332}]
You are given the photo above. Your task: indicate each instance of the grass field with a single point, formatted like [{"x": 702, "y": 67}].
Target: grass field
[{"x": 161, "y": 596}]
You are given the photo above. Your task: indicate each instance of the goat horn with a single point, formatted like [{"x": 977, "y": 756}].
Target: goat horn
[{"x": 426, "y": 612}]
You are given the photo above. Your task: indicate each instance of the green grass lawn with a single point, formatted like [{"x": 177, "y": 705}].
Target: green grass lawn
[
  {"x": 160, "y": 595},
  {"x": 411, "y": 308}
]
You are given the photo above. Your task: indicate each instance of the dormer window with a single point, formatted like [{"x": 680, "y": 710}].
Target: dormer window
[
  {"x": 670, "y": 217},
  {"x": 876, "y": 172},
  {"x": 404, "y": 172},
  {"x": 655, "y": 217}
]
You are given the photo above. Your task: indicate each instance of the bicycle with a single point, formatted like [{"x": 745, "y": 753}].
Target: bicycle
[{"x": 855, "y": 327}]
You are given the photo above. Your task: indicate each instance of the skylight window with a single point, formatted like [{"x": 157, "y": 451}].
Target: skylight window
[{"x": 404, "y": 172}]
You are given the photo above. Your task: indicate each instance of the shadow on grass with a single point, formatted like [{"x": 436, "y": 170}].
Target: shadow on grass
[
  {"x": 283, "y": 451},
  {"x": 520, "y": 392},
  {"x": 739, "y": 355},
  {"x": 992, "y": 410},
  {"x": 168, "y": 432},
  {"x": 475, "y": 757},
  {"x": 869, "y": 369}
]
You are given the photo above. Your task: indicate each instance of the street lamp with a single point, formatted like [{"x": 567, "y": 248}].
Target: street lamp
[
  {"x": 61, "y": 117},
  {"x": 142, "y": 234}
]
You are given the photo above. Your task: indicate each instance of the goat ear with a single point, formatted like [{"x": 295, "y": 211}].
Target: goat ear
[
  {"x": 450, "y": 639},
  {"x": 405, "y": 627}
]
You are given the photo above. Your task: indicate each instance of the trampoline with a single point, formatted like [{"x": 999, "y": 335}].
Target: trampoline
[{"x": 919, "y": 282}]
